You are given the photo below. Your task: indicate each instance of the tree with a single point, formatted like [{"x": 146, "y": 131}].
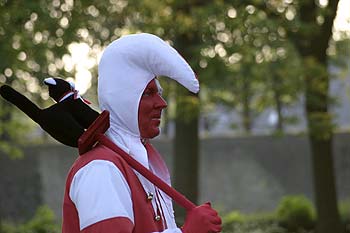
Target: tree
[
  {"x": 225, "y": 42},
  {"x": 312, "y": 45},
  {"x": 309, "y": 26},
  {"x": 34, "y": 37},
  {"x": 259, "y": 68}
]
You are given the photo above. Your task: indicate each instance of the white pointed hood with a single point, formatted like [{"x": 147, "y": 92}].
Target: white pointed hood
[{"x": 127, "y": 66}]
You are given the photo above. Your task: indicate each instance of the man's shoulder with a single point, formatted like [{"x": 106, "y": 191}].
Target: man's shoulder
[{"x": 99, "y": 152}]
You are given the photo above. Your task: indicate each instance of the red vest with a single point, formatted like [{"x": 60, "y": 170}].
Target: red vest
[{"x": 144, "y": 219}]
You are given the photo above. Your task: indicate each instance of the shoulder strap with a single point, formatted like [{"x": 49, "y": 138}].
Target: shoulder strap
[{"x": 171, "y": 192}]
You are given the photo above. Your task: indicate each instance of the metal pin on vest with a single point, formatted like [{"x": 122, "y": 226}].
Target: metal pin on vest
[{"x": 150, "y": 196}]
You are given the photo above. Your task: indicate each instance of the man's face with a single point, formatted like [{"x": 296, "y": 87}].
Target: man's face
[{"x": 150, "y": 110}]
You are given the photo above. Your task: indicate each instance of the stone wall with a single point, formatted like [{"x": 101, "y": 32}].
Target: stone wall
[{"x": 246, "y": 174}]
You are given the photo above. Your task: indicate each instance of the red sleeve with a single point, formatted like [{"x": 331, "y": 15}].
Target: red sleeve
[{"x": 111, "y": 225}]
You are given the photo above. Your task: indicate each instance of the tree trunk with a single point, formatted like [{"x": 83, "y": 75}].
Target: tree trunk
[
  {"x": 320, "y": 136},
  {"x": 165, "y": 128},
  {"x": 186, "y": 139},
  {"x": 166, "y": 116},
  {"x": 324, "y": 185},
  {"x": 186, "y": 149},
  {"x": 247, "y": 115},
  {"x": 278, "y": 103},
  {"x": 312, "y": 43}
]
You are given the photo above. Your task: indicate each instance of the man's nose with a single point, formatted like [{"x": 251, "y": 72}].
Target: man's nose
[{"x": 160, "y": 102}]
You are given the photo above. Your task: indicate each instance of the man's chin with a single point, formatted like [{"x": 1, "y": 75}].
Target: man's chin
[
  {"x": 151, "y": 134},
  {"x": 155, "y": 134}
]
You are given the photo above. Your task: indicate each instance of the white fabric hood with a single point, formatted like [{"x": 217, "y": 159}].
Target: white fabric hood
[{"x": 127, "y": 65}]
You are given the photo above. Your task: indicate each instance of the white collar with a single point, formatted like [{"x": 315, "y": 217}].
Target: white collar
[{"x": 131, "y": 144}]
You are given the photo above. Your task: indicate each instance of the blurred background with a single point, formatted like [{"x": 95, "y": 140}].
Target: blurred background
[{"x": 266, "y": 141}]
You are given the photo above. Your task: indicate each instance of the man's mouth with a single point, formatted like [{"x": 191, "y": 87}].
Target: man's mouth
[{"x": 156, "y": 120}]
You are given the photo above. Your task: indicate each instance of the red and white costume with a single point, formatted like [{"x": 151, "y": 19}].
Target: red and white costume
[{"x": 103, "y": 194}]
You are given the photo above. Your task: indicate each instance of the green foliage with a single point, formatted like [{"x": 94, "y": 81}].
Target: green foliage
[
  {"x": 43, "y": 222},
  {"x": 34, "y": 35},
  {"x": 11, "y": 150},
  {"x": 339, "y": 54},
  {"x": 232, "y": 217},
  {"x": 344, "y": 210},
  {"x": 187, "y": 107},
  {"x": 254, "y": 227},
  {"x": 239, "y": 223},
  {"x": 296, "y": 212},
  {"x": 249, "y": 63},
  {"x": 320, "y": 125},
  {"x": 241, "y": 51}
]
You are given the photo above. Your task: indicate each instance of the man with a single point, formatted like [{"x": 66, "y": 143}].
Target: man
[{"x": 103, "y": 193}]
